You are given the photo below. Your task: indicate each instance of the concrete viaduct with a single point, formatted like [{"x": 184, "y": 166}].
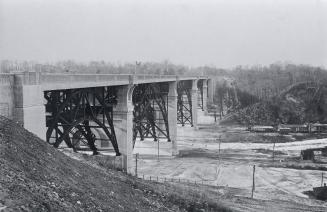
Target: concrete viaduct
[{"x": 69, "y": 107}]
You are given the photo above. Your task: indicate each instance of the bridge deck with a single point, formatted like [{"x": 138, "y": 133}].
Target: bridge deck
[{"x": 50, "y": 81}]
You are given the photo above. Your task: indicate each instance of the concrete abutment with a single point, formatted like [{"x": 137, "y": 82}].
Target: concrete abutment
[{"x": 28, "y": 107}]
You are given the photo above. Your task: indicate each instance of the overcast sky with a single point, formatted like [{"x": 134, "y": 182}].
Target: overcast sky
[{"x": 224, "y": 33}]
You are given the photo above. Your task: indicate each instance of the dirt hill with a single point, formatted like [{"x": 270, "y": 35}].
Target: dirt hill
[
  {"x": 36, "y": 177},
  {"x": 299, "y": 103}
]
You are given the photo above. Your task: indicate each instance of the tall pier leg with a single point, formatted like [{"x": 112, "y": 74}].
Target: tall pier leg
[
  {"x": 205, "y": 96},
  {"x": 211, "y": 90},
  {"x": 194, "y": 93},
  {"x": 123, "y": 115},
  {"x": 172, "y": 115}
]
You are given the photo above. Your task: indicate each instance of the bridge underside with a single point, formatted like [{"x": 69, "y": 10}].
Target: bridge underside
[
  {"x": 151, "y": 111},
  {"x": 83, "y": 111},
  {"x": 115, "y": 117},
  {"x": 184, "y": 103},
  {"x": 84, "y": 117},
  {"x": 78, "y": 116}
]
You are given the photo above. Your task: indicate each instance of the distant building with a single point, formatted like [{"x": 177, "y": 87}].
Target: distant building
[
  {"x": 284, "y": 130},
  {"x": 317, "y": 127},
  {"x": 258, "y": 128},
  {"x": 295, "y": 128}
]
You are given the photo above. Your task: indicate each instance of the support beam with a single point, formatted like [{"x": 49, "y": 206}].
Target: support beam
[
  {"x": 123, "y": 114},
  {"x": 194, "y": 93},
  {"x": 172, "y": 115}
]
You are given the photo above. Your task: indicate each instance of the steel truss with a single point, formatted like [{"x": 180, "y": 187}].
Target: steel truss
[
  {"x": 76, "y": 115},
  {"x": 184, "y": 103},
  {"x": 150, "y": 111}
]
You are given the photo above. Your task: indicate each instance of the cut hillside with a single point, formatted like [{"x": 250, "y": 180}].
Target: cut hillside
[
  {"x": 36, "y": 177},
  {"x": 299, "y": 103}
]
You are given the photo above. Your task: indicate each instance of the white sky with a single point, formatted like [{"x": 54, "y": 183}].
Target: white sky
[{"x": 223, "y": 33}]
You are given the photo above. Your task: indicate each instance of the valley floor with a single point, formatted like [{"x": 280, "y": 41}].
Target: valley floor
[{"x": 231, "y": 167}]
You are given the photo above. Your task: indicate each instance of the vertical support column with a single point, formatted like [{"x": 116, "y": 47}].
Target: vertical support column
[
  {"x": 172, "y": 115},
  {"x": 205, "y": 96},
  {"x": 194, "y": 93},
  {"x": 29, "y": 103},
  {"x": 211, "y": 90},
  {"x": 123, "y": 115}
]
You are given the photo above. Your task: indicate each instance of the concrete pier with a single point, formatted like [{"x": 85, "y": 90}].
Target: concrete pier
[
  {"x": 194, "y": 93},
  {"x": 172, "y": 116},
  {"x": 205, "y": 96},
  {"x": 211, "y": 90},
  {"x": 123, "y": 114}
]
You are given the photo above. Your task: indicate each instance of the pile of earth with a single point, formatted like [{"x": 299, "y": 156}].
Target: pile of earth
[
  {"x": 298, "y": 104},
  {"x": 34, "y": 176}
]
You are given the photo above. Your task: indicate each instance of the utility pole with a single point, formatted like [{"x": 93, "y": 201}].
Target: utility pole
[
  {"x": 136, "y": 158},
  {"x": 215, "y": 115},
  {"x": 253, "y": 183},
  {"x": 274, "y": 150},
  {"x": 137, "y": 63},
  {"x": 215, "y": 112},
  {"x": 158, "y": 149},
  {"x": 219, "y": 139}
]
